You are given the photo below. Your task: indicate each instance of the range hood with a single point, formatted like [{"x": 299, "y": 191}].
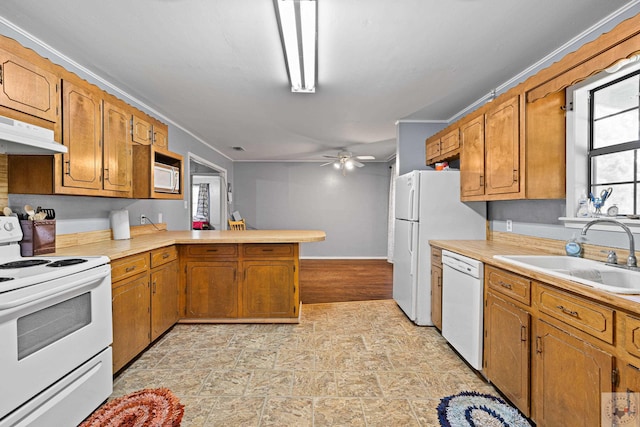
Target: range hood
[{"x": 18, "y": 137}]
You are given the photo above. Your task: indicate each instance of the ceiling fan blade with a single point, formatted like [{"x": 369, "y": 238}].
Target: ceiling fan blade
[
  {"x": 325, "y": 164},
  {"x": 365, "y": 157},
  {"x": 330, "y": 157},
  {"x": 357, "y": 163}
]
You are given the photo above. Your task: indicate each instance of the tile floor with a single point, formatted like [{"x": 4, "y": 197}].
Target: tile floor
[{"x": 349, "y": 364}]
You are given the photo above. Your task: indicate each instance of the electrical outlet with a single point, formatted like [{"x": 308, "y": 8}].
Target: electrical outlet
[
  {"x": 509, "y": 225},
  {"x": 143, "y": 219}
]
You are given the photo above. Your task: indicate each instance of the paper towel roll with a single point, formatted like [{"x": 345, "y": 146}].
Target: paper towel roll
[{"x": 120, "y": 224}]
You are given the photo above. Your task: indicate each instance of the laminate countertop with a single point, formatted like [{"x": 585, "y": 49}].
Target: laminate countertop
[
  {"x": 115, "y": 249},
  {"x": 484, "y": 250}
]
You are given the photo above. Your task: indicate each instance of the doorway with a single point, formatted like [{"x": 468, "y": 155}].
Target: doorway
[{"x": 208, "y": 201}]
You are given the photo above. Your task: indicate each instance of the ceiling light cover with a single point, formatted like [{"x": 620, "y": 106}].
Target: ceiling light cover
[{"x": 297, "y": 20}]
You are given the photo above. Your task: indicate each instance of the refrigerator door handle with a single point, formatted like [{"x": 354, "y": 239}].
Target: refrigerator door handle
[
  {"x": 410, "y": 213},
  {"x": 412, "y": 266}
]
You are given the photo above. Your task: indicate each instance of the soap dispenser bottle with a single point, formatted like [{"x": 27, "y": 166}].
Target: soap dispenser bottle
[{"x": 573, "y": 247}]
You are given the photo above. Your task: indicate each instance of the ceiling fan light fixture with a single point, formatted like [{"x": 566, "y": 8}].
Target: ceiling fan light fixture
[
  {"x": 348, "y": 164},
  {"x": 297, "y": 20},
  {"x": 336, "y": 164}
]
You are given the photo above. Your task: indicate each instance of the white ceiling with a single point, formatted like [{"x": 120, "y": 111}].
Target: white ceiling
[{"x": 216, "y": 67}]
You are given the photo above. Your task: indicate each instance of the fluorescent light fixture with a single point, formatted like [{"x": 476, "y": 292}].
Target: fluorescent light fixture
[{"x": 297, "y": 20}]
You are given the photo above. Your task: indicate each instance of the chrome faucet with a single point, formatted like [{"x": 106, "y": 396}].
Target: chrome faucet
[{"x": 631, "y": 260}]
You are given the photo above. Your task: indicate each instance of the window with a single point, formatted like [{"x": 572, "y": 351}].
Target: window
[
  {"x": 603, "y": 143},
  {"x": 614, "y": 142}
]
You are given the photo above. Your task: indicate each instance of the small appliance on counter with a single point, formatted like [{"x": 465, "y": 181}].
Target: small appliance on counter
[{"x": 120, "y": 225}]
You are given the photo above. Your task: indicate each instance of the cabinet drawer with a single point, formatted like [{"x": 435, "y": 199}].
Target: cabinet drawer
[
  {"x": 163, "y": 256},
  {"x": 129, "y": 266},
  {"x": 632, "y": 335},
  {"x": 509, "y": 284},
  {"x": 215, "y": 251},
  {"x": 594, "y": 319},
  {"x": 268, "y": 250}
]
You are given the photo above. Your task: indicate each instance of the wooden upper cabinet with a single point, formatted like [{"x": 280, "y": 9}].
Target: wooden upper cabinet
[
  {"x": 81, "y": 131},
  {"x": 141, "y": 130},
  {"x": 472, "y": 158},
  {"x": 160, "y": 135},
  {"x": 502, "y": 148},
  {"x": 149, "y": 132},
  {"x": 28, "y": 88},
  {"x": 443, "y": 146},
  {"x": 117, "y": 150},
  {"x": 433, "y": 150},
  {"x": 450, "y": 143}
]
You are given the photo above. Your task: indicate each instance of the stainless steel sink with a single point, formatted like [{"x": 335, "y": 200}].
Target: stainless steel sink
[{"x": 588, "y": 272}]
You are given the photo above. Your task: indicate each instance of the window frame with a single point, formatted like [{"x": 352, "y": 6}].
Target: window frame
[
  {"x": 577, "y": 146},
  {"x": 629, "y": 146}
]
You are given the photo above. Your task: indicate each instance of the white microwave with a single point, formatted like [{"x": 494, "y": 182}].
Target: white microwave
[{"x": 166, "y": 178}]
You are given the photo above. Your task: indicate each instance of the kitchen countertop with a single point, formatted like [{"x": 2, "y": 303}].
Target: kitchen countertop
[
  {"x": 484, "y": 250},
  {"x": 115, "y": 249}
]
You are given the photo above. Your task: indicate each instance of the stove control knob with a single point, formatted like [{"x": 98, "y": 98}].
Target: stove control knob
[{"x": 8, "y": 226}]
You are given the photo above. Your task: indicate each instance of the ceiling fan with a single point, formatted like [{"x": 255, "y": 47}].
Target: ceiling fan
[{"x": 345, "y": 160}]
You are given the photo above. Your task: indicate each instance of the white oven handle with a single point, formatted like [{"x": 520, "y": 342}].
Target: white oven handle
[{"x": 90, "y": 281}]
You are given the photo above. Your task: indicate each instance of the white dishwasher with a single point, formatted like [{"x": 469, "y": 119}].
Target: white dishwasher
[{"x": 462, "y": 294}]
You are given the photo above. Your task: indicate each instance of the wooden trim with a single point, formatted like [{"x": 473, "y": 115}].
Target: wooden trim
[
  {"x": 340, "y": 280},
  {"x": 555, "y": 247},
  {"x": 597, "y": 55},
  {"x": 74, "y": 239},
  {"x": 4, "y": 181}
]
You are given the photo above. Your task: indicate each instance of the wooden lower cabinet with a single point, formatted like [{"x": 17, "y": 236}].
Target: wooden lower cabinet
[
  {"x": 269, "y": 289},
  {"x": 507, "y": 347},
  {"x": 131, "y": 327},
  {"x": 212, "y": 289},
  {"x": 164, "y": 298},
  {"x": 240, "y": 282},
  {"x": 436, "y": 287},
  {"x": 144, "y": 301},
  {"x": 570, "y": 377}
]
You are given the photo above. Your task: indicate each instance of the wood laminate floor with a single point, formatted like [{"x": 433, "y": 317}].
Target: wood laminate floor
[{"x": 349, "y": 364}]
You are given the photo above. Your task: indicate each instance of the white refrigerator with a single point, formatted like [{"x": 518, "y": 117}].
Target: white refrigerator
[{"x": 428, "y": 207}]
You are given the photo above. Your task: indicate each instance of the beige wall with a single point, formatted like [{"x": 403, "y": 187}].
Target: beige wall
[{"x": 4, "y": 181}]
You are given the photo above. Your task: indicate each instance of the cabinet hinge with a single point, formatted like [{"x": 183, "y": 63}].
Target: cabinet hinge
[
  {"x": 615, "y": 377},
  {"x": 515, "y": 175}
]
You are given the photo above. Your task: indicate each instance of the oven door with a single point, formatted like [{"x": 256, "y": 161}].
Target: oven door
[{"x": 49, "y": 329}]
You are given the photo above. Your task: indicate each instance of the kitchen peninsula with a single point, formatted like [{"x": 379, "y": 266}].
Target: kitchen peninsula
[{"x": 167, "y": 277}]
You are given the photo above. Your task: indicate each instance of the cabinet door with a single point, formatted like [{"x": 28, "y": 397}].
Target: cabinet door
[
  {"x": 433, "y": 150},
  {"x": 506, "y": 350},
  {"x": 141, "y": 131},
  {"x": 164, "y": 298},
  {"x": 570, "y": 377},
  {"x": 160, "y": 135},
  {"x": 131, "y": 326},
  {"x": 270, "y": 289},
  {"x": 472, "y": 158},
  {"x": 28, "y": 88},
  {"x": 81, "y": 131},
  {"x": 436, "y": 295},
  {"x": 502, "y": 154},
  {"x": 212, "y": 289},
  {"x": 117, "y": 151},
  {"x": 450, "y": 142}
]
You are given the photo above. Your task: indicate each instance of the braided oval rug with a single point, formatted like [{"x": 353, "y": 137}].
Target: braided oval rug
[
  {"x": 470, "y": 408},
  {"x": 144, "y": 408}
]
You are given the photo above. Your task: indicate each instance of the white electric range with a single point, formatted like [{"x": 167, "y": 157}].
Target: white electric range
[{"x": 55, "y": 330}]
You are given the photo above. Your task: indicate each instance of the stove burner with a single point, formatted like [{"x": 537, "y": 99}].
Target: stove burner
[
  {"x": 5, "y": 279},
  {"x": 24, "y": 263},
  {"x": 66, "y": 262}
]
